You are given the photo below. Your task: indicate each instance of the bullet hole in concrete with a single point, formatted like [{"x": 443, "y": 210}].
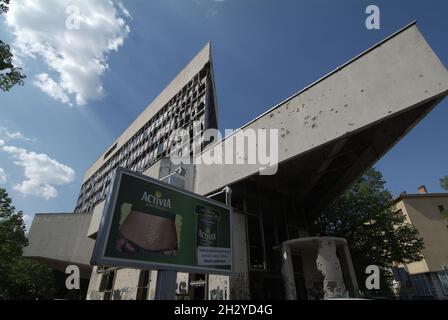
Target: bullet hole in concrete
[
  {"x": 271, "y": 115},
  {"x": 420, "y": 76},
  {"x": 345, "y": 105},
  {"x": 298, "y": 109},
  {"x": 307, "y": 117},
  {"x": 287, "y": 131},
  {"x": 282, "y": 129},
  {"x": 351, "y": 124},
  {"x": 282, "y": 135},
  {"x": 362, "y": 90},
  {"x": 314, "y": 119},
  {"x": 331, "y": 109},
  {"x": 336, "y": 111},
  {"x": 314, "y": 126},
  {"x": 426, "y": 91},
  {"x": 390, "y": 112}
]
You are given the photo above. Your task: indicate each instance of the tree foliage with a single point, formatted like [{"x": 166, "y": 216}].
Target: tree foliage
[
  {"x": 4, "y": 6},
  {"x": 376, "y": 234},
  {"x": 10, "y": 75},
  {"x": 20, "y": 278},
  {"x": 444, "y": 183}
]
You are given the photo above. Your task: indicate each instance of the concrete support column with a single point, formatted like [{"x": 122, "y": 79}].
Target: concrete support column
[
  {"x": 218, "y": 287},
  {"x": 288, "y": 273},
  {"x": 313, "y": 278},
  {"x": 167, "y": 291},
  {"x": 328, "y": 264}
]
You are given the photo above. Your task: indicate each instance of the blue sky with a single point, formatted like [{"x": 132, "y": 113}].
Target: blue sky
[{"x": 85, "y": 86}]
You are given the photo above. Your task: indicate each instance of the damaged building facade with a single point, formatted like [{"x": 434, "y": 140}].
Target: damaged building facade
[{"x": 329, "y": 134}]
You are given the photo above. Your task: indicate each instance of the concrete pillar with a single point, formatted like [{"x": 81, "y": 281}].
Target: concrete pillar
[
  {"x": 166, "y": 285},
  {"x": 313, "y": 278},
  {"x": 328, "y": 264},
  {"x": 182, "y": 285},
  {"x": 288, "y": 273},
  {"x": 239, "y": 283},
  {"x": 167, "y": 279},
  {"x": 218, "y": 287}
]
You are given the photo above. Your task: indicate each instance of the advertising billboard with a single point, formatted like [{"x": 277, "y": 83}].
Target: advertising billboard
[{"x": 149, "y": 224}]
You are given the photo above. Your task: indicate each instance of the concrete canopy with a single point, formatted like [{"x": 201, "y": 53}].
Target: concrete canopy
[
  {"x": 59, "y": 240},
  {"x": 335, "y": 129}
]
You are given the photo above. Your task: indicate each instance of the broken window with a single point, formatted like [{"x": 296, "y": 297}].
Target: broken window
[
  {"x": 256, "y": 250},
  {"x": 143, "y": 285},
  {"x": 107, "y": 284}
]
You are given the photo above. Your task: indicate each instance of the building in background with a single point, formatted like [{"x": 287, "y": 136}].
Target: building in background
[
  {"x": 427, "y": 278},
  {"x": 329, "y": 134}
]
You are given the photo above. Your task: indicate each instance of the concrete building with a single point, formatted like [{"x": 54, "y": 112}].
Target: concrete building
[
  {"x": 329, "y": 134},
  {"x": 187, "y": 103},
  {"x": 427, "y": 278}
]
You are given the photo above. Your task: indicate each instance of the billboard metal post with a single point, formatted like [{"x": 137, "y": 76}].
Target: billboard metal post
[{"x": 167, "y": 279}]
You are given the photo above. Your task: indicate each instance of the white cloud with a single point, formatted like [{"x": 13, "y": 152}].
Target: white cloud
[
  {"x": 50, "y": 87},
  {"x": 42, "y": 173},
  {"x": 28, "y": 221},
  {"x": 13, "y": 135},
  {"x": 125, "y": 11},
  {"x": 2, "y": 142},
  {"x": 3, "y": 178},
  {"x": 211, "y": 6},
  {"x": 77, "y": 55}
]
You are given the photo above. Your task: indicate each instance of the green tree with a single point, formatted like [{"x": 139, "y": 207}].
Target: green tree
[
  {"x": 444, "y": 183},
  {"x": 376, "y": 234},
  {"x": 10, "y": 75},
  {"x": 4, "y": 6},
  {"x": 33, "y": 280},
  {"x": 12, "y": 239},
  {"x": 20, "y": 278}
]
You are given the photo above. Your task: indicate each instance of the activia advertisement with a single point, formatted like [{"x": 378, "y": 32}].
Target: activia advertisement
[{"x": 153, "y": 224}]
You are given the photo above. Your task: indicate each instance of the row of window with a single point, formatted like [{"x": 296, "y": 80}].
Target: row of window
[
  {"x": 108, "y": 280},
  {"x": 186, "y": 110}
]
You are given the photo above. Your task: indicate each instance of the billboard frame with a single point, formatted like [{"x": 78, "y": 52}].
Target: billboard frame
[{"x": 99, "y": 251}]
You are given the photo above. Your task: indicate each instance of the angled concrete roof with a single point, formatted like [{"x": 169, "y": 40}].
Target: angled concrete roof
[
  {"x": 333, "y": 130},
  {"x": 60, "y": 240}
]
